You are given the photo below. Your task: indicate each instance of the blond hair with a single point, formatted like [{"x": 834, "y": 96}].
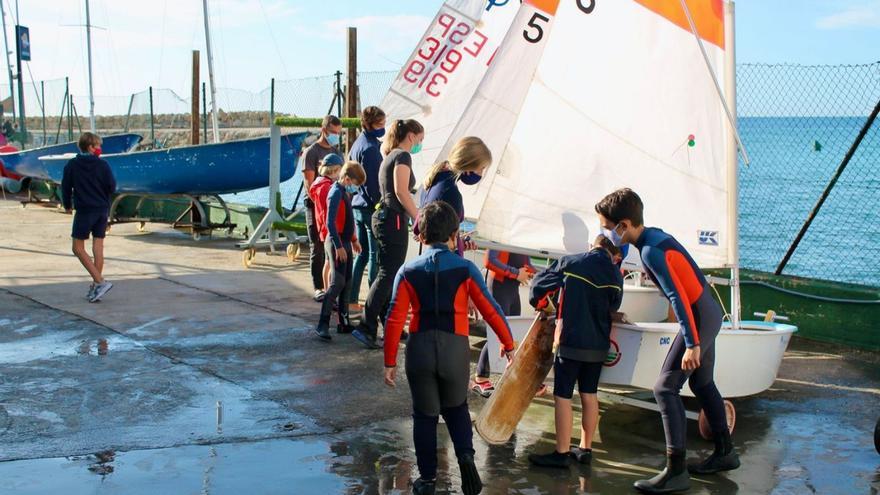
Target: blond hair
[
  {"x": 328, "y": 170},
  {"x": 398, "y": 131},
  {"x": 469, "y": 154},
  {"x": 354, "y": 171}
]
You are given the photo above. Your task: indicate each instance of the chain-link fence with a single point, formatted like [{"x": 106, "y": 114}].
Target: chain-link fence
[{"x": 798, "y": 123}]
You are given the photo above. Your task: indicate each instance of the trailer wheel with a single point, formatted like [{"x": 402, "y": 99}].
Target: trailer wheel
[
  {"x": 706, "y": 430},
  {"x": 247, "y": 257},
  {"x": 293, "y": 250},
  {"x": 877, "y": 436}
]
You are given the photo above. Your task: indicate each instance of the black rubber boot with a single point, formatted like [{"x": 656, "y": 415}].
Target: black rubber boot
[
  {"x": 724, "y": 458},
  {"x": 470, "y": 478},
  {"x": 424, "y": 487},
  {"x": 673, "y": 479},
  {"x": 553, "y": 459}
]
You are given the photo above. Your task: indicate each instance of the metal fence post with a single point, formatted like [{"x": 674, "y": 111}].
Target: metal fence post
[
  {"x": 204, "y": 115},
  {"x": 152, "y": 128},
  {"x": 128, "y": 115},
  {"x": 43, "y": 106}
]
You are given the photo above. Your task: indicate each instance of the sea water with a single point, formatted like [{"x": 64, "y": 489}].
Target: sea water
[{"x": 792, "y": 161}]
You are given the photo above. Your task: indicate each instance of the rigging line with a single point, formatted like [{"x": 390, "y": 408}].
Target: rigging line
[
  {"x": 274, "y": 41},
  {"x": 730, "y": 119},
  {"x": 114, "y": 57},
  {"x": 34, "y": 84}
]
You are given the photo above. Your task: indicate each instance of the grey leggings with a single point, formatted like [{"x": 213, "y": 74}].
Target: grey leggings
[{"x": 702, "y": 382}]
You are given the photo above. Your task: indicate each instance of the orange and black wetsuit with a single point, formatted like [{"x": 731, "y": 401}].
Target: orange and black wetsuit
[
  {"x": 437, "y": 286},
  {"x": 677, "y": 275}
]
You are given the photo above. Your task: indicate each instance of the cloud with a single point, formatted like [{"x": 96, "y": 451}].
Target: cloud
[{"x": 866, "y": 15}]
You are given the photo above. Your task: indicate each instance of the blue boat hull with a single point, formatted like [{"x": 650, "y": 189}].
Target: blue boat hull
[
  {"x": 221, "y": 168},
  {"x": 27, "y": 162}
]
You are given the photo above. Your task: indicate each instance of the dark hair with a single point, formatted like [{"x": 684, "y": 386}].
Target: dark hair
[
  {"x": 88, "y": 139},
  {"x": 330, "y": 120},
  {"x": 371, "y": 116},
  {"x": 622, "y": 204},
  {"x": 437, "y": 222},
  {"x": 398, "y": 132},
  {"x": 606, "y": 244}
]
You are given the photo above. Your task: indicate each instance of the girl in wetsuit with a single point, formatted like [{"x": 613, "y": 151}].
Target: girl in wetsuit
[{"x": 437, "y": 286}]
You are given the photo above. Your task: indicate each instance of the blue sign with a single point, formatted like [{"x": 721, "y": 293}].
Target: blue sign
[
  {"x": 709, "y": 238},
  {"x": 23, "y": 35}
]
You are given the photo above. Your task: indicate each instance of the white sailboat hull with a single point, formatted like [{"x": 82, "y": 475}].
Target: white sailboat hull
[{"x": 747, "y": 359}]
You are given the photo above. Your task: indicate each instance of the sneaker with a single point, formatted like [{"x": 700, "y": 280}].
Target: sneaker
[
  {"x": 368, "y": 341},
  {"x": 583, "y": 456},
  {"x": 91, "y": 291},
  {"x": 553, "y": 459},
  {"x": 424, "y": 487},
  {"x": 322, "y": 331},
  {"x": 483, "y": 389},
  {"x": 100, "y": 289},
  {"x": 319, "y": 296}
]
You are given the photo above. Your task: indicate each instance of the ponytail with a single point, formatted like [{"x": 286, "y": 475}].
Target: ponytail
[
  {"x": 436, "y": 169},
  {"x": 398, "y": 131}
]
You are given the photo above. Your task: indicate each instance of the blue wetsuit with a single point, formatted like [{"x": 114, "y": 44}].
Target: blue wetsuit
[{"x": 676, "y": 274}]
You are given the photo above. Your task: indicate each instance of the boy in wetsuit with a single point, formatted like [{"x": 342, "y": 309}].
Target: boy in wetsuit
[
  {"x": 339, "y": 245},
  {"x": 691, "y": 357},
  {"x": 590, "y": 289},
  {"x": 507, "y": 271},
  {"x": 437, "y": 285},
  {"x": 329, "y": 171}
]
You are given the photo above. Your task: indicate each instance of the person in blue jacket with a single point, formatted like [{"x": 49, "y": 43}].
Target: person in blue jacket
[
  {"x": 590, "y": 289},
  {"x": 367, "y": 151}
]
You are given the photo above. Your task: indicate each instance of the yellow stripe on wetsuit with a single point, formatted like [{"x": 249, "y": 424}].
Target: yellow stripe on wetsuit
[{"x": 584, "y": 279}]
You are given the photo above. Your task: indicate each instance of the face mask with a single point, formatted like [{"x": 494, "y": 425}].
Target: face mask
[
  {"x": 333, "y": 139},
  {"x": 351, "y": 188},
  {"x": 613, "y": 236},
  {"x": 376, "y": 133},
  {"x": 470, "y": 178},
  {"x": 416, "y": 148},
  {"x": 97, "y": 152}
]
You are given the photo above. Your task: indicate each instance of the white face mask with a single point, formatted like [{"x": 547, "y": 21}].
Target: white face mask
[{"x": 613, "y": 236}]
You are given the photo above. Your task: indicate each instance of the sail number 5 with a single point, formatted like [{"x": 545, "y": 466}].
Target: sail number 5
[{"x": 534, "y": 31}]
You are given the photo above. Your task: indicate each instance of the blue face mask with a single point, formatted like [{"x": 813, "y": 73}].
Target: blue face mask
[
  {"x": 376, "y": 133},
  {"x": 333, "y": 139},
  {"x": 470, "y": 178},
  {"x": 613, "y": 236},
  {"x": 351, "y": 188},
  {"x": 416, "y": 148}
]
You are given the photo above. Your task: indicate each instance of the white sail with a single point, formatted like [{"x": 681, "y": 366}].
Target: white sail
[
  {"x": 619, "y": 89},
  {"x": 440, "y": 76}
]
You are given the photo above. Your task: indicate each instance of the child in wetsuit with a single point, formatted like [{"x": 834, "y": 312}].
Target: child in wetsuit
[
  {"x": 590, "y": 289},
  {"x": 691, "y": 357},
  {"x": 329, "y": 172},
  {"x": 339, "y": 245},
  {"x": 507, "y": 271},
  {"x": 437, "y": 286}
]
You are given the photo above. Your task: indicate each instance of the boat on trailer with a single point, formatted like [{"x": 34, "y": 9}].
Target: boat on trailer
[{"x": 649, "y": 103}]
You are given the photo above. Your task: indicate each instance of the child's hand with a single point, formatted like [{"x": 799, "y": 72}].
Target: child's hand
[
  {"x": 469, "y": 245},
  {"x": 507, "y": 354},
  {"x": 619, "y": 317},
  {"x": 341, "y": 255},
  {"x": 691, "y": 359},
  {"x": 523, "y": 277},
  {"x": 390, "y": 375},
  {"x": 356, "y": 246}
]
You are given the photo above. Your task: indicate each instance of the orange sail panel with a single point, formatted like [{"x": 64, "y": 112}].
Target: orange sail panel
[
  {"x": 708, "y": 16},
  {"x": 547, "y": 6}
]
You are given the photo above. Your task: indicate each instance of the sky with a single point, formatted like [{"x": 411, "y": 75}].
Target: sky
[{"x": 141, "y": 43}]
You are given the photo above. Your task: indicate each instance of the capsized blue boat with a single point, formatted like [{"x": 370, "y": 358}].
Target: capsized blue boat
[
  {"x": 220, "y": 168},
  {"x": 26, "y": 162}
]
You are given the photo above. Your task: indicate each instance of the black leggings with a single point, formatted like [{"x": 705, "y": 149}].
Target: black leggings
[
  {"x": 316, "y": 248},
  {"x": 437, "y": 372},
  {"x": 391, "y": 233},
  {"x": 507, "y": 295},
  {"x": 340, "y": 282},
  {"x": 702, "y": 381}
]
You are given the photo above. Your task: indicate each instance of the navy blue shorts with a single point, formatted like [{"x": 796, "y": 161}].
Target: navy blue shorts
[
  {"x": 567, "y": 371},
  {"x": 87, "y": 222}
]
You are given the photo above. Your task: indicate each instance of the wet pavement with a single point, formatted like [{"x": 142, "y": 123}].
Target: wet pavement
[{"x": 198, "y": 376}]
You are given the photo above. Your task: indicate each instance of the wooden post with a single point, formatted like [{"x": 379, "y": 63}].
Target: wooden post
[
  {"x": 351, "y": 100},
  {"x": 195, "y": 98}
]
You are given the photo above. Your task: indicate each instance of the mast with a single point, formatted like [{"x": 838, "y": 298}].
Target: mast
[
  {"x": 732, "y": 163},
  {"x": 91, "y": 89},
  {"x": 8, "y": 63},
  {"x": 211, "y": 74},
  {"x": 21, "y": 126}
]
